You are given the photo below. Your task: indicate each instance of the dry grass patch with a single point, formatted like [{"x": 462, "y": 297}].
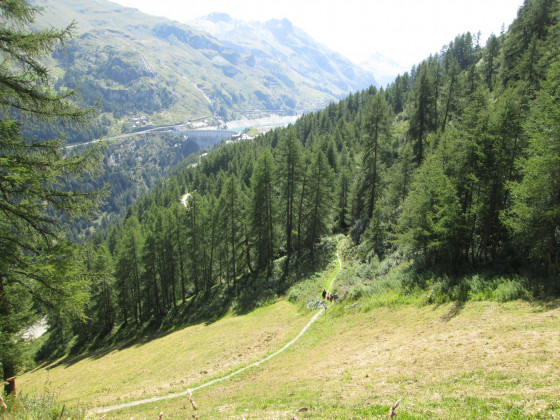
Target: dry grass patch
[
  {"x": 171, "y": 363},
  {"x": 480, "y": 360}
]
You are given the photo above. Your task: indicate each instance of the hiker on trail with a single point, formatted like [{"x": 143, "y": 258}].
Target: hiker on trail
[
  {"x": 324, "y": 293},
  {"x": 335, "y": 297}
]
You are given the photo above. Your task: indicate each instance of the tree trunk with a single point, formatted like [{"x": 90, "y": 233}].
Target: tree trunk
[
  {"x": 300, "y": 211},
  {"x": 8, "y": 365}
]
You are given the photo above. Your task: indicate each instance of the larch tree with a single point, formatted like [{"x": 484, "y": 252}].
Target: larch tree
[
  {"x": 128, "y": 269},
  {"x": 37, "y": 263},
  {"x": 262, "y": 211},
  {"x": 422, "y": 118},
  {"x": 320, "y": 200},
  {"x": 376, "y": 129},
  {"x": 535, "y": 214},
  {"x": 289, "y": 173},
  {"x": 231, "y": 206}
]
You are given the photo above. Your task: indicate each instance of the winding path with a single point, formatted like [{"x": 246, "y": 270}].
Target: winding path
[{"x": 101, "y": 410}]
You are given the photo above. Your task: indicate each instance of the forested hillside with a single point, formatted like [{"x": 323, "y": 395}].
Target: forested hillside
[
  {"x": 132, "y": 166},
  {"x": 453, "y": 169}
]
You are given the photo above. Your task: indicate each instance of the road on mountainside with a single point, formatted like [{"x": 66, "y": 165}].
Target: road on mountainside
[
  {"x": 120, "y": 136},
  {"x": 101, "y": 410}
]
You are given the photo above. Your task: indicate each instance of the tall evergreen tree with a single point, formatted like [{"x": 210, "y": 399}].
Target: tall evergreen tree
[
  {"x": 429, "y": 224},
  {"x": 263, "y": 206},
  {"x": 102, "y": 286},
  {"x": 423, "y": 117},
  {"x": 129, "y": 269},
  {"x": 376, "y": 129},
  {"x": 535, "y": 215},
  {"x": 194, "y": 227},
  {"x": 231, "y": 204},
  {"x": 150, "y": 275},
  {"x": 35, "y": 258},
  {"x": 451, "y": 92},
  {"x": 491, "y": 60},
  {"x": 343, "y": 192},
  {"x": 319, "y": 202},
  {"x": 289, "y": 174}
]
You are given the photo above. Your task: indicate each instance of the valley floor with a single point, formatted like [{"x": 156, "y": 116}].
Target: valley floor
[{"x": 477, "y": 360}]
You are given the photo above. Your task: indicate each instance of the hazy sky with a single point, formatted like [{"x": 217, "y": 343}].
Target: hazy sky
[{"x": 406, "y": 31}]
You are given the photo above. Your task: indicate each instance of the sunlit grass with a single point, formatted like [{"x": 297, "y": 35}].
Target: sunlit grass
[
  {"x": 473, "y": 359},
  {"x": 170, "y": 362},
  {"x": 477, "y": 360}
]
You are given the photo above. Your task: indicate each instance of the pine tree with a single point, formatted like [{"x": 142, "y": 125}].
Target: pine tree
[
  {"x": 319, "y": 202},
  {"x": 430, "y": 222},
  {"x": 289, "y": 174},
  {"x": 150, "y": 274},
  {"x": 128, "y": 270},
  {"x": 343, "y": 190},
  {"x": 376, "y": 130},
  {"x": 102, "y": 286},
  {"x": 231, "y": 203},
  {"x": 210, "y": 237},
  {"x": 263, "y": 211},
  {"x": 423, "y": 117},
  {"x": 535, "y": 215},
  {"x": 451, "y": 90},
  {"x": 491, "y": 60},
  {"x": 35, "y": 258},
  {"x": 195, "y": 251}
]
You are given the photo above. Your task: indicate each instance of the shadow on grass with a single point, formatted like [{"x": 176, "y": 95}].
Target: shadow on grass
[
  {"x": 545, "y": 305},
  {"x": 207, "y": 307},
  {"x": 455, "y": 310},
  {"x": 197, "y": 309}
]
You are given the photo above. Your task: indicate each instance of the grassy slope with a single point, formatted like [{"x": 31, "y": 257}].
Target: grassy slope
[
  {"x": 477, "y": 360},
  {"x": 167, "y": 363}
]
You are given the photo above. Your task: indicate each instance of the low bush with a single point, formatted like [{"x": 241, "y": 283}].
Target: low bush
[{"x": 44, "y": 407}]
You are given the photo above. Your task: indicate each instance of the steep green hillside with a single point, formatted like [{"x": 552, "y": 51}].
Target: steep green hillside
[
  {"x": 132, "y": 166},
  {"x": 440, "y": 361}
]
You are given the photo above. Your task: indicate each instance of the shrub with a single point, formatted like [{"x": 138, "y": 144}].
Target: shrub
[
  {"x": 40, "y": 407},
  {"x": 511, "y": 290}
]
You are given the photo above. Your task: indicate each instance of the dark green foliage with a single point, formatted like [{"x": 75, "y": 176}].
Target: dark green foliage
[
  {"x": 424, "y": 117},
  {"x": 318, "y": 201},
  {"x": 376, "y": 131},
  {"x": 289, "y": 174},
  {"x": 535, "y": 214},
  {"x": 37, "y": 263},
  {"x": 430, "y": 222},
  {"x": 533, "y": 26},
  {"x": 263, "y": 211}
]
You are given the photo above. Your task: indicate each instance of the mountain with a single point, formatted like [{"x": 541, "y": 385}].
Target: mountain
[
  {"x": 277, "y": 44},
  {"x": 384, "y": 68},
  {"x": 145, "y": 65}
]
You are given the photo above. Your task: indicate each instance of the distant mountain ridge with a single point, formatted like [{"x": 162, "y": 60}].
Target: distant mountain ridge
[
  {"x": 275, "y": 41},
  {"x": 139, "y": 64},
  {"x": 384, "y": 68}
]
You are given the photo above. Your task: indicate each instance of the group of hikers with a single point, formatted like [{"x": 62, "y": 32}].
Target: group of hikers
[{"x": 330, "y": 296}]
